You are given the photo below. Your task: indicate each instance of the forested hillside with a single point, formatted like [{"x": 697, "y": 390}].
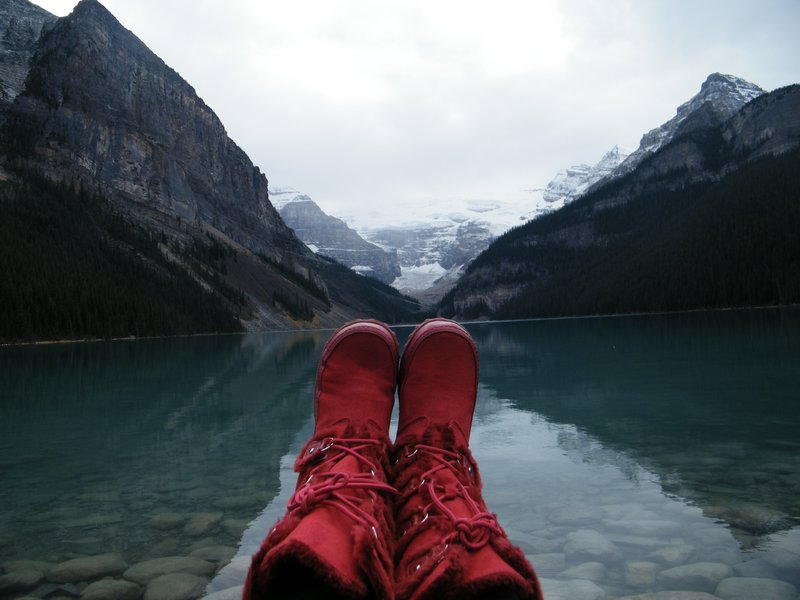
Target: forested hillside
[
  {"x": 708, "y": 221},
  {"x": 732, "y": 243},
  {"x": 72, "y": 269}
]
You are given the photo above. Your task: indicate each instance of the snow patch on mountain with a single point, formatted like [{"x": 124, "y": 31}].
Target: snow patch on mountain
[
  {"x": 727, "y": 94},
  {"x": 437, "y": 239},
  {"x": 280, "y": 196},
  {"x": 571, "y": 183}
]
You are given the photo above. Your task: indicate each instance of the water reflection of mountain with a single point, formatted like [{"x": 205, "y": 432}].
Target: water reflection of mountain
[
  {"x": 129, "y": 429},
  {"x": 707, "y": 401}
]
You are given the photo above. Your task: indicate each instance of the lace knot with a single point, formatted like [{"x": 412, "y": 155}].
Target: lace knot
[{"x": 475, "y": 532}]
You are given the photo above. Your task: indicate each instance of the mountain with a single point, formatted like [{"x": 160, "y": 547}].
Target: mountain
[
  {"x": 424, "y": 252},
  {"x": 101, "y": 110},
  {"x": 720, "y": 97},
  {"x": 708, "y": 220},
  {"x": 435, "y": 247},
  {"x": 432, "y": 251},
  {"x": 103, "y": 123},
  {"x": 331, "y": 237},
  {"x": 573, "y": 182},
  {"x": 21, "y": 24}
]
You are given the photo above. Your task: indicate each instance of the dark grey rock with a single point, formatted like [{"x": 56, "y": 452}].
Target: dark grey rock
[
  {"x": 87, "y": 568},
  {"x": 176, "y": 586},
  {"x": 145, "y": 572},
  {"x": 112, "y": 589},
  {"x": 21, "y": 24},
  {"x": 202, "y": 523},
  {"x": 167, "y": 520},
  {"x": 20, "y": 581}
]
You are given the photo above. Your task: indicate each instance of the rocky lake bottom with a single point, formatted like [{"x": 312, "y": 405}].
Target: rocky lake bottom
[{"x": 627, "y": 458}]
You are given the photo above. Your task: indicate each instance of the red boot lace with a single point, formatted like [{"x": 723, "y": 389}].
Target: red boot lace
[
  {"x": 474, "y": 531},
  {"x": 330, "y": 488}
]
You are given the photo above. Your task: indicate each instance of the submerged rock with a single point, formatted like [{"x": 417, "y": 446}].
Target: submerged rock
[
  {"x": 571, "y": 590},
  {"x": 677, "y": 595},
  {"x": 672, "y": 556},
  {"x": 640, "y": 574},
  {"x": 20, "y": 581},
  {"x": 747, "y": 588},
  {"x": 26, "y": 565},
  {"x": 176, "y": 586},
  {"x": 591, "y": 571},
  {"x": 167, "y": 520},
  {"x": 233, "y": 593},
  {"x": 112, "y": 589},
  {"x": 201, "y": 524},
  {"x": 589, "y": 545},
  {"x": 752, "y": 518},
  {"x": 702, "y": 576},
  {"x": 144, "y": 572},
  {"x": 548, "y": 565},
  {"x": 785, "y": 562},
  {"x": 87, "y": 569},
  {"x": 215, "y": 554}
]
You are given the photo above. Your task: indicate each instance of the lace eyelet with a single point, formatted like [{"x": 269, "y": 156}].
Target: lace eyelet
[
  {"x": 440, "y": 557},
  {"x": 326, "y": 444},
  {"x": 411, "y": 451}
]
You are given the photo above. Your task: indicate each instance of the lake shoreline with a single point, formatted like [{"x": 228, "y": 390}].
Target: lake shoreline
[{"x": 56, "y": 342}]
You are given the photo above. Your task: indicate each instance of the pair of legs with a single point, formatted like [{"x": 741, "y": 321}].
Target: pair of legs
[{"x": 376, "y": 519}]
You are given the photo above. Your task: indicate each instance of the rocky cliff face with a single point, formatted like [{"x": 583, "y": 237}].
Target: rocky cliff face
[
  {"x": 102, "y": 117},
  {"x": 332, "y": 237},
  {"x": 720, "y": 97},
  {"x": 21, "y": 24},
  {"x": 109, "y": 113}
]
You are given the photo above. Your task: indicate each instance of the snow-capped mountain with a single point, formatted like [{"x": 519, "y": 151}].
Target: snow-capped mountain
[
  {"x": 432, "y": 247},
  {"x": 434, "y": 242},
  {"x": 330, "y": 236},
  {"x": 720, "y": 97},
  {"x": 569, "y": 184}
]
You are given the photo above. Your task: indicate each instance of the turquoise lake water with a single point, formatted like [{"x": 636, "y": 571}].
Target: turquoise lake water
[{"x": 624, "y": 455}]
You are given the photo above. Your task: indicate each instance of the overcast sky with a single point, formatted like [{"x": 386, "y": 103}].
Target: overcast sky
[{"x": 369, "y": 103}]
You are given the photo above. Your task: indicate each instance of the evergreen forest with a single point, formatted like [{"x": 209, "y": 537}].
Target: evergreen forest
[
  {"x": 732, "y": 243},
  {"x": 73, "y": 269}
]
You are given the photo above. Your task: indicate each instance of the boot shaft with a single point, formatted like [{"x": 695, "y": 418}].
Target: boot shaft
[
  {"x": 337, "y": 537},
  {"x": 449, "y": 546}
]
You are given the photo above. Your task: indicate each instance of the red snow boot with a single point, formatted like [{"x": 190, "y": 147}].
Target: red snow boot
[
  {"x": 449, "y": 546},
  {"x": 336, "y": 539}
]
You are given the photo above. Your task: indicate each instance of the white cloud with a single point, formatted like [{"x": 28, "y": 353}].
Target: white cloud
[{"x": 361, "y": 103}]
